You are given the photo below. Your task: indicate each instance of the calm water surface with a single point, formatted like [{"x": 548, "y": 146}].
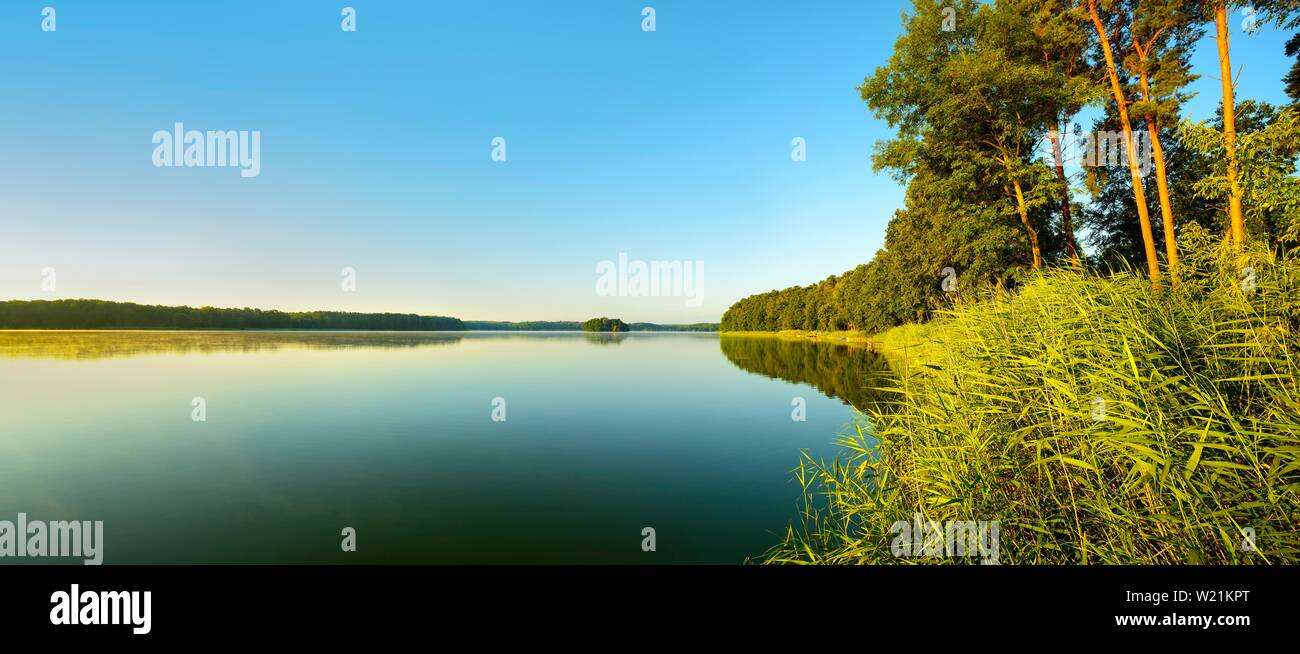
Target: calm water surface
[{"x": 391, "y": 434}]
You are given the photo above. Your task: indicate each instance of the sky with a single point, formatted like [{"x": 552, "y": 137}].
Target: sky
[{"x": 376, "y": 150}]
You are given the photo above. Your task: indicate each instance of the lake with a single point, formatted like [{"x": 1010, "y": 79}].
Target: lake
[{"x": 464, "y": 447}]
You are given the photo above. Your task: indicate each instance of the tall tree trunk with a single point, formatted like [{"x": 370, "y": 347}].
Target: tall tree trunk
[
  {"x": 1067, "y": 224},
  {"x": 1029, "y": 229},
  {"x": 1237, "y": 223},
  {"x": 1162, "y": 180},
  {"x": 1139, "y": 194},
  {"x": 1166, "y": 206}
]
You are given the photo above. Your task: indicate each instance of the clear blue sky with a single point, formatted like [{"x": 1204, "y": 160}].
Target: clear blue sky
[{"x": 375, "y": 152}]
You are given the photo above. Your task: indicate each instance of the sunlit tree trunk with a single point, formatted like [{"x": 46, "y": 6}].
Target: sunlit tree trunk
[
  {"x": 1067, "y": 224},
  {"x": 1162, "y": 180},
  {"x": 1029, "y": 230},
  {"x": 1237, "y": 223},
  {"x": 1139, "y": 194},
  {"x": 1166, "y": 206}
]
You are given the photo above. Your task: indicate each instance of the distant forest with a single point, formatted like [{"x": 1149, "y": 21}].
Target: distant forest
[
  {"x": 573, "y": 326},
  {"x": 652, "y": 327},
  {"x": 102, "y": 314},
  {"x": 526, "y": 326}
]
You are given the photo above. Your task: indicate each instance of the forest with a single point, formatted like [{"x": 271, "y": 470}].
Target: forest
[
  {"x": 988, "y": 102},
  {"x": 1128, "y": 399},
  {"x": 101, "y": 314}
]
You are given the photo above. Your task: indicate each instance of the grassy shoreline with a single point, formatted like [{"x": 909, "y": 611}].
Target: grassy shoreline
[{"x": 1096, "y": 419}]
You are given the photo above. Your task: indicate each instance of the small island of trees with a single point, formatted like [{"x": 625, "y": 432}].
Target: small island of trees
[{"x": 604, "y": 325}]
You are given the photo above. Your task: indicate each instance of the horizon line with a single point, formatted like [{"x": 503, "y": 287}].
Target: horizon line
[{"x": 346, "y": 311}]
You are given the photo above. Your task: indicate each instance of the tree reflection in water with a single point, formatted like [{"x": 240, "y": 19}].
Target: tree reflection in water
[{"x": 852, "y": 374}]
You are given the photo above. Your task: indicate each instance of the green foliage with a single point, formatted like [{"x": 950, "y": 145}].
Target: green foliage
[
  {"x": 1292, "y": 79},
  {"x": 1195, "y": 162},
  {"x": 1200, "y": 435},
  {"x": 689, "y": 327},
  {"x": 903, "y": 283},
  {"x": 1267, "y": 144},
  {"x": 1166, "y": 33},
  {"x": 604, "y": 325},
  {"x": 100, "y": 314},
  {"x": 970, "y": 107}
]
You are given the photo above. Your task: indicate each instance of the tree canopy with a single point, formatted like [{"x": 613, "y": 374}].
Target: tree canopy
[
  {"x": 604, "y": 325},
  {"x": 980, "y": 96}
]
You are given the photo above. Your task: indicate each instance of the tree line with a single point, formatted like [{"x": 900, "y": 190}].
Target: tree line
[
  {"x": 523, "y": 326},
  {"x": 981, "y": 97},
  {"x": 101, "y": 314}
]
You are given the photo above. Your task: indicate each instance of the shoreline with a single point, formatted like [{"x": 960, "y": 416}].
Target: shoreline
[{"x": 907, "y": 347}]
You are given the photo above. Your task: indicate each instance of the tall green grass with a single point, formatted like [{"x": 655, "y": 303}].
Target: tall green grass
[{"x": 1200, "y": 436}]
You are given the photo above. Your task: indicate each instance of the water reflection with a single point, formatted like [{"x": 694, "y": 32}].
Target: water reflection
[
  {"x": 104, "y": 344},
  {"x": 399, "y": 443},
  {"x": 852, "y": 374},
  {"x": 109, "y": 344},
  {"x": 606, "y": 338}
]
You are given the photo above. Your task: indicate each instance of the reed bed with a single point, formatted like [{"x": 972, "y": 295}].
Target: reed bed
[{"x": 1096, "y": 419}]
